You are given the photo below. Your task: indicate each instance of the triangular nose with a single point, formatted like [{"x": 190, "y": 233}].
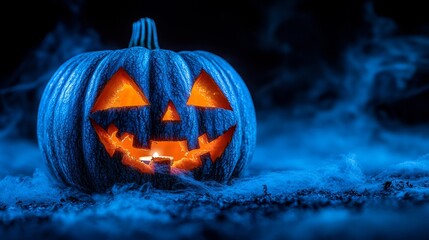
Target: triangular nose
[{"x": 171, "y": 113}]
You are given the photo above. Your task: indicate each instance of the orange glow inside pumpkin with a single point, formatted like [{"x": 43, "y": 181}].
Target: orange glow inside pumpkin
[
  {"x": 206, "y": 93},
  {"x": 120, "y": 91},
  {"x": 171, "y": 113},
  {"x": 183, "y": 158}
]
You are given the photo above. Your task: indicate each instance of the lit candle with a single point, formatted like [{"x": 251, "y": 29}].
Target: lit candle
[
  {"x": 156, "y": 158},
  {"x": 145, "y": 159}
]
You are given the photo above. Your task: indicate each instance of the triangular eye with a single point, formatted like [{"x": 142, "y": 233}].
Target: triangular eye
[
  {"x": 206, "y": 93},
  {"x": 120, "y": 91}
]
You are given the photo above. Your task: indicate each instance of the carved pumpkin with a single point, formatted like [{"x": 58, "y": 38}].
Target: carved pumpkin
[{"x": 142, "y": 113}]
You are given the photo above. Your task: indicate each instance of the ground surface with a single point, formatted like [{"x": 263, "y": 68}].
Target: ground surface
[{"x": 313, "y": 178}]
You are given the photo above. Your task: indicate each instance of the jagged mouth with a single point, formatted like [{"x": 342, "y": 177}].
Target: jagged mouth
[{"x": 175, "y": 153}]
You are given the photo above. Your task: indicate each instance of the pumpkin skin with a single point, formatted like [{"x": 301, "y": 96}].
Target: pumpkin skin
[{"x": 72, "y": 148}]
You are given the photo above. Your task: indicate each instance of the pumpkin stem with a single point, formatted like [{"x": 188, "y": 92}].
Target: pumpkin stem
[{"x": 144, "y": 34}]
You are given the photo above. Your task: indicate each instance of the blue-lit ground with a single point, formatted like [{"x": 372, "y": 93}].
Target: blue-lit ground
[
  {"x": 310, "y": 178},
  {"x": 328, "y": 165}
]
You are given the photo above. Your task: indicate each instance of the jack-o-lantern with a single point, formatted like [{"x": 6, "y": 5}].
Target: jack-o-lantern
[{"x": 137, "y": 114}]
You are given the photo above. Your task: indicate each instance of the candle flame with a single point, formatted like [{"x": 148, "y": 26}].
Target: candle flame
[{"x": 155, "y": 154}]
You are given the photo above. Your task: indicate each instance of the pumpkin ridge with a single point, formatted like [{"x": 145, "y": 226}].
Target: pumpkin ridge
[
  {"x": 95, "y": 66},
  {"x": 234, "y": 85},
  {"x": 98, "y": 69},
  {"x": 56, "y": 108},
  {"x": 250, "y": 123}
]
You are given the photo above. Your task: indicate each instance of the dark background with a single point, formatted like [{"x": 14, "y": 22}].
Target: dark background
[{"x": 288, "y": 52}]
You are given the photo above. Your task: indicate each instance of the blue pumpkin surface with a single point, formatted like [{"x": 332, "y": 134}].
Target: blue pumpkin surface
[{"x": 72, "y": 148}]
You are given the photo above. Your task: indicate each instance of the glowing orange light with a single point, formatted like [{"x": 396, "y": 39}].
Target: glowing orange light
[
  {"x": 206, "y": 93},
  {"x": 171, "y": 113},
  {"x": 183, "y": 158},
  {"x": 120, "y": 91}
]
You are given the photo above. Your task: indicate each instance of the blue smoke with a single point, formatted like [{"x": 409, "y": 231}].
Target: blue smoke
[
  {"x": 318, "y": 171},
  {"x": 19, "y": 103}
]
